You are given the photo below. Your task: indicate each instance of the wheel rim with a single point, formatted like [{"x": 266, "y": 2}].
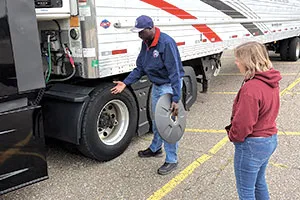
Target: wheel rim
[{"x": 112, "y": 122}]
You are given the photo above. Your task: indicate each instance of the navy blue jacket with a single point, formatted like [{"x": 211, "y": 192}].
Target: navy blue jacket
[{"x": 160, "y": 62}]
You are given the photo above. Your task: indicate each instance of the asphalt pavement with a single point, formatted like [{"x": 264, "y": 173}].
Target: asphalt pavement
[{"x": 205, "y": 168}]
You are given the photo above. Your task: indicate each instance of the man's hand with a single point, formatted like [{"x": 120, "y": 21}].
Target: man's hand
[
  {"x": 174, "y": 109},
  {"x": 118, "y": 88}
]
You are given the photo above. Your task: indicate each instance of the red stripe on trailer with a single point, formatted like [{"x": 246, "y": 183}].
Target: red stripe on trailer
[
  {"x": 234, "y": 36},
  {"x": 180, "y": 43},
  {"x": 207, "y": 32},
  {"x": 120, "y": 51},
  {"x": 170, "y": 9},
  {"x": 248, "y": 34}
]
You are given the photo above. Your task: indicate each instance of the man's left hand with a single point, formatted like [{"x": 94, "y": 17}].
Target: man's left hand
[{"x": 174, "y": 109}]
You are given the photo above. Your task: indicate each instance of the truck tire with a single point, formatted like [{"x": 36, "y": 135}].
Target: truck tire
[
  {"x": 294, "y": 49},
  {"x": 109, "y": 123},
  {"x": 283, "y": 49}
]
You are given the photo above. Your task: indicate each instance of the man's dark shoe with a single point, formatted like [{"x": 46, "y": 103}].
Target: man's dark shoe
[
  {"x": 148, "y": 153},
  {"x": 167, "y": 168}
]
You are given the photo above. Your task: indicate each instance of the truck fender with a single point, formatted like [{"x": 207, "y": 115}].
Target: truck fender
[{"x": 63, "y": 107}]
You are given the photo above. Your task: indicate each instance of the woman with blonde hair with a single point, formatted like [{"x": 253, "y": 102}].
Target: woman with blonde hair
[{"x": 253, "y": 128}]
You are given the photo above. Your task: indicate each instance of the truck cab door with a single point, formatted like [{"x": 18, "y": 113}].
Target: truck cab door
[{"x": 22, "y": 145}]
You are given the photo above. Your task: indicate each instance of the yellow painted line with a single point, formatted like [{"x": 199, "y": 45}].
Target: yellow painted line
[
  {"x": 224, "y": 131},
  {"x": 288, "y": 133},
  {"x": 159, "y": 194},
  {"x": 278, "y": 165},
  {"x": 291, "y": 86},
  {"x": 218, "y": 146}
]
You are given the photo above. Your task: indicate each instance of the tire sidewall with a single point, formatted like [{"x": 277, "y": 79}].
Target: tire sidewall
[
  {"x": 100, "y": 99},
  {"x": 284, "y": 49},
  {"x": 293, "y": 49}
]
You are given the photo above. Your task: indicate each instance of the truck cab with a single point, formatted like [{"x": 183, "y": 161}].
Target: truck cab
[{"x": 22, "y": 144}]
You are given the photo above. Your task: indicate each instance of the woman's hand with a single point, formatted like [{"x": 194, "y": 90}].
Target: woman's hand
[{"x": 227, "y": 128}]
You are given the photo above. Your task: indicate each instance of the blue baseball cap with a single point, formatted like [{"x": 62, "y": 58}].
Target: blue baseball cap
[{"x": 141, "y": 23}]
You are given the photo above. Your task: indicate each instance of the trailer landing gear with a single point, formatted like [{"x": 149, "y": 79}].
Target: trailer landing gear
[{"x": 209, "y": 66}]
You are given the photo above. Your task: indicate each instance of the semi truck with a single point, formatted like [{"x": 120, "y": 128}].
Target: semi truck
[{"x": 59, "y": 58}]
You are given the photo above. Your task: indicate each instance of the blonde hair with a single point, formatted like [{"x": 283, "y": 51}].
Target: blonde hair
[{"x": 254, "y": 57}]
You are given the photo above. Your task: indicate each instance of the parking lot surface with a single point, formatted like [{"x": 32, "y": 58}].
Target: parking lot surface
[{"x": 205, "y": 168}]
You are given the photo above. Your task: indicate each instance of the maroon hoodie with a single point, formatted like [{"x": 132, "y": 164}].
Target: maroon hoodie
[{"x": 256, "y": 107}]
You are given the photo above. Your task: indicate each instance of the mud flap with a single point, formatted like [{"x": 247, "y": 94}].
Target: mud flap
[{"x": 189, "y": 89}]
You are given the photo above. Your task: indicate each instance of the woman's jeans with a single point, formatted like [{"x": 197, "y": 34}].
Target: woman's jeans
[
  {"x": 250, "y": 161},
  {"x": 171, "y": 149}
]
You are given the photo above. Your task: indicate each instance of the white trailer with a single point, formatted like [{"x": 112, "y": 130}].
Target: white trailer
[{"x": 202, "y": 29}]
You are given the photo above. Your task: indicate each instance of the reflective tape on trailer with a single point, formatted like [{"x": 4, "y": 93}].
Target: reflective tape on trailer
[
  {"x": 114, "y": 52},
  {"x": 180, "y": 43}
]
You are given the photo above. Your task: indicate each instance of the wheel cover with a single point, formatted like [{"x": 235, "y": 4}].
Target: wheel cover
[
  {"x": 170, "y": 129},
  {"x": 113, "y": 122}
]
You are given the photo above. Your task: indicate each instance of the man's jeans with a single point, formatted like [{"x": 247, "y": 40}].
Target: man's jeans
[
  {"x": 171, "y": 149},
  {"x": 250, "y": 161}
]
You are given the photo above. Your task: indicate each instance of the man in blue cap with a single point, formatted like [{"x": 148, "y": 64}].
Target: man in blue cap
[{"x": 159, "y": 59}]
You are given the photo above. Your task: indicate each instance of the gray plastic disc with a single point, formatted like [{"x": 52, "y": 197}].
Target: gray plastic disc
[{"x": 170, "y": 130}]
